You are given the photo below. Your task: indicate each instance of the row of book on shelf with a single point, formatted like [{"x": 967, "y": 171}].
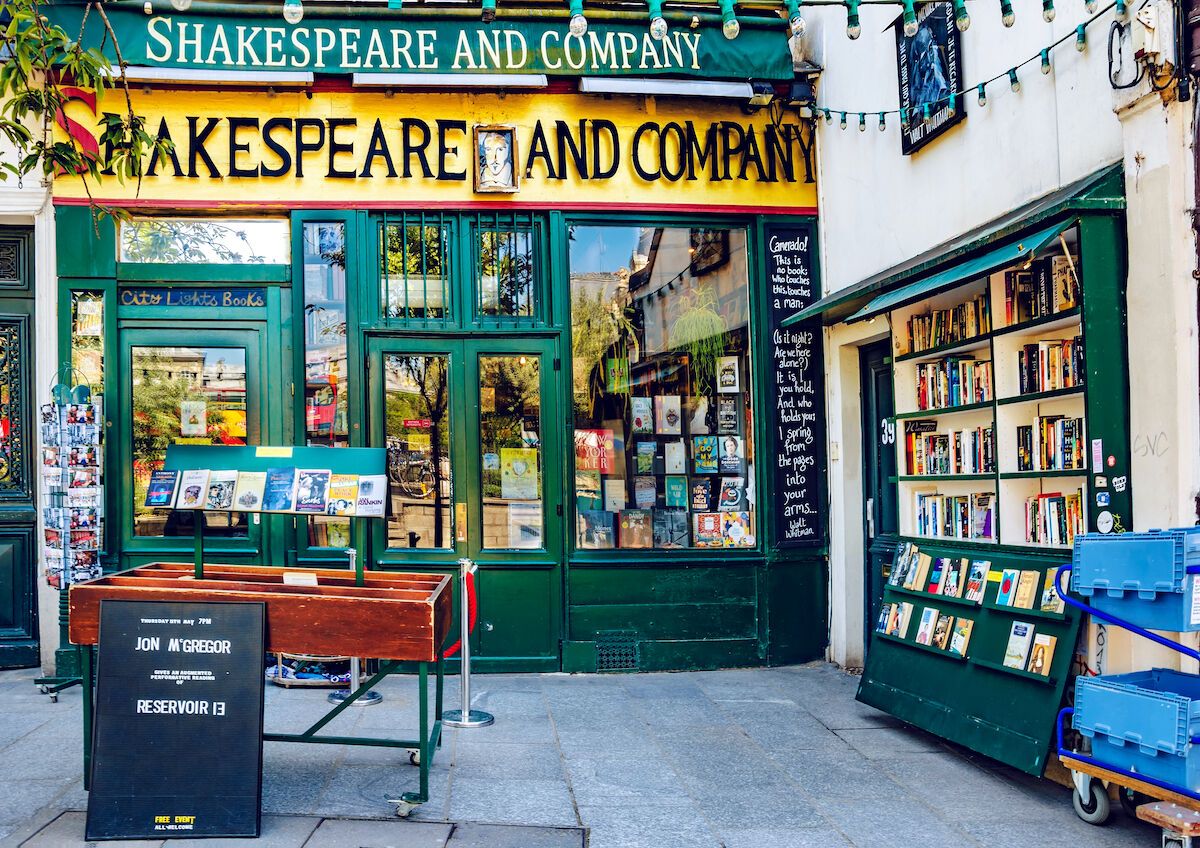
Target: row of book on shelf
[
  {"x": 969, "y": 451},
  {"x": 970, "y": 516},
  {"x": 1054, "y": 518},
  {"x": 947, "y": 326},
  {"x": 664, "y": 528},
  {"x": 954, "y": 381},
  {"x": 306, "y": 491},
  {"x": 1045, "y": 288},
  {"x": 1054, "y": 443},
  {"x": 1047, "y": 366},
  {"x": 960, "y": 577}
]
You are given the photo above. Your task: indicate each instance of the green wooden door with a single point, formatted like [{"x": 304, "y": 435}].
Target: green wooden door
[
  {"x": 474, "y": 436},
  {"x": 205, "y": 385}
]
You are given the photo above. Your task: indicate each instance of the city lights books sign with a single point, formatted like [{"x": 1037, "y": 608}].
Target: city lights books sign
[{"x": 929, "y": 70}]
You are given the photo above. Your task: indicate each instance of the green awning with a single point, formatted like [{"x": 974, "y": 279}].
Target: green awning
[{"x": 962, "y": 272}]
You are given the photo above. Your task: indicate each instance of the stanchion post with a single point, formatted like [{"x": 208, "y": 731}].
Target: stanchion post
[
  {"x": 370, "y": 697},
  {"x": 466, "y": 717}
]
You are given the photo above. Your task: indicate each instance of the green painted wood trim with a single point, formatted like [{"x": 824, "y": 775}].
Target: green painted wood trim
[
  {"x": 1053, "y": 394},
  {"x": 945, "y": 410},
  {"x": 87, "y": 247},
  {"x": 212, "y": 272},
  {"x": 938, "y": 478},
  {"x": 980, "y": 341},
  {"x": 1033, "y": 475},
  {"x": 1033, "y": 324}
]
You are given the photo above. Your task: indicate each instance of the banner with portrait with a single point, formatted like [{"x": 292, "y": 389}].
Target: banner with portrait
[{"x": 929, "y": 71}]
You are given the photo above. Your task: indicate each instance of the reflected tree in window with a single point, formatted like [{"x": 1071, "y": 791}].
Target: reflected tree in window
[{"x": 191, "y": 240}]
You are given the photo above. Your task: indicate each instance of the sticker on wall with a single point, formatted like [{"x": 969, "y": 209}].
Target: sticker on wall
[
  {"x": 1112, "y": 460},
  {"x": 1104, "y": 522},
  {"x": 1103, "y": 498},
  {"x": 491, "y": 462},
  {"x": 1119, "y": 483},
  {"x": 518, "y": 474},
  {"x": 1097, "y": 455},
  {"x": 1101, "y": 481},
  {"x": 193, "y": 417}
]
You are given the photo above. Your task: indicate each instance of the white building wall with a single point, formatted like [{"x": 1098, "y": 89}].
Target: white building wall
[{"x": 879, "y": 208}]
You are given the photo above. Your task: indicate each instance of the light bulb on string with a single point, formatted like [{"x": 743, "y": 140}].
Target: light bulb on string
[
  {"x": 293, "y": 11},
  {"x": 903, "y": 118},
  {"x": 1007, "y": 17},
  {"x": 925, "y": 113},
  {"x": 181, "y": 5},
  {"x": 658, "y": 24},
  {"x": 795, "y": 22},
  {"x": 842, "y": 122},
  {"x": 148, "y": 7},
  {"x": 853, "y": 22},
  {"x": 962, "y": 19},
  {"x": 862, "y": 121},
  {"x": 1090, "y": 5},
  {"x": 729, "y": 22},
  {"x": 578, "y": 24},
  {"x": 882, "y": 121},
  {"x": 1080, "y": 38},
  {"x": 1048, "y": 11},
  {"x": 982, "y": 95},
  {"x": 1046, "y": 61},
  {"x": 1122, "y": 10},
  {"x": 487, "y": 12},
  {"x": 951, "y": 107},
  {"x": 1013, "y": 82},
  {"x": 910, "y": 19},
  {"x": 828, "y": 117}
]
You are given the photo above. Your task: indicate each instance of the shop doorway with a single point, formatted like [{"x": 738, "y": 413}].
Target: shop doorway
[
  {"x": 473, "y": 433},
  {"x": 879, "y": 474},
  {"x": 202, "y": 385}
]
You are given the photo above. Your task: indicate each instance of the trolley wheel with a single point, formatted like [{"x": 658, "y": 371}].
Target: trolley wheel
[
  {"x": 1096, "y": 808},
  {"x": 414, "y": 758},
  {"x": 54, "y": 697},
  {"x": 1131, "y": 799},
  {"x": 45, "y": 690}
]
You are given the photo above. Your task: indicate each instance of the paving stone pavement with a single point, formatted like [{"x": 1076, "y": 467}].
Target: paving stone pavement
[{"x": 759, "y": 758}]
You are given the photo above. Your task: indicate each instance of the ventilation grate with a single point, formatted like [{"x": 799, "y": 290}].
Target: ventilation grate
[{"x": 617, "y": 650}]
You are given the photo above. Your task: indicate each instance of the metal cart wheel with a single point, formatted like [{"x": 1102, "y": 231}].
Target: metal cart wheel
[
  {"x": 1096, "y": 808},
  {"x": 1131, "y": 799},
  {"x": 414, "y": 758}
]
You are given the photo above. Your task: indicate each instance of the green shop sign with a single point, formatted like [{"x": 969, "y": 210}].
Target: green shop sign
[{"x": 428, "y": 46}]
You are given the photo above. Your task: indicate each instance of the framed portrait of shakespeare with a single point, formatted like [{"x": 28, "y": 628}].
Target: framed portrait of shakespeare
[{"x": 495, "y": 167}]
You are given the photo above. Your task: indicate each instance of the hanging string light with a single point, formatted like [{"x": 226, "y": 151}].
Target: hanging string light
[
  {"x": 853, "y": 23},
  {"x": 1013, "y": 82},
  {"x": 1007, "y": 17},
  {"x": 181, "y": 5},
  {"x": 1090, "y": 5},
  {"x": 925, "y": 113},
  {"x": 828, "y": 117},
  {"x": 910, "y": 19},
  {"x": 488, "y": 13},
  {"x": 1080, "y": 38},
  {"x": 795, "y": 22},
  {"x": 658, "y": 24},
  {"x": 882, "y": 121},
  {"x": 904, "y": 123},
  {"x": 392, "y": 4},
  {"x": 962, "y": 19},
  {"x": 1045, "y": 61},
  {"x": 862, "y": 121},
  {"x": 842, "y": 122},
  {"x": 982, "y": 95},
  {"x": 293, "y": 11},
  {"x": 578, "y": 24},
  {"x": 1048, "y": 11},
  {"x": 1122, "y": 10},
  {"x": 729, "y": 22}
]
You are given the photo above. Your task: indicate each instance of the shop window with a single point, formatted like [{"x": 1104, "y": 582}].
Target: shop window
[
  {"x": 184, "y": 395},
  {"x": 506, "y": 268},
  {"x": 87, "y": 340},
  {"x": 664, "y": 443},
  {"x": 415, "y": 255},
  {"x": 417, "y": 423},
  {"x": 326, "y": 376},
  {"x": 220, "y": 241},
  {"x": 510, "y": 428}
]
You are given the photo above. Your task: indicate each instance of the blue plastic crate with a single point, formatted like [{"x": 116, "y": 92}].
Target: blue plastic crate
[
  {"x": 1141, "y": 578},
  {"x": 1143, "y": 722}
]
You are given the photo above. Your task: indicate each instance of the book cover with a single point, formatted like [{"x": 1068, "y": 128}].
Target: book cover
[
  {"x": 941, "y": 632},
  {"x": 905, "y": 554},
  {"x": 699, "y": 415},
  {"x": 645, "y": 492},
  {"x": 936, "y": 574},
  {"x": 192, "y": 487},
  {"x": 595, "y": 450},
  {"x": 1027, "y": 588},
  {"x": 885, "y": 613},
  {"x": 668, "y": 415},
  {"x": 614, "y": 495},
  {"x": 372, "y": 496},
  {"x": 977, "y": 580},
  {"x": 1042, "y": 654},
  {"x": 925, "y": 630},
  {"x": 637, "y": 529},
  {"x": 670, "y": 528},
  {"x": 727, "y": 414},
  {"x": 906, "y": 611},
  {"x": 707, "y": 529},
  {"x": 733, "y": 494},
  {"x": 735, "y": 529},
  {"x": 596, "y": 529},
  {"x": 732, "y": 454},
  {"x": 279, "y": 492},
  {"x": 1006, "y": 590},
  {"x": 1051, "y": 600},
  {"x": 702, "y": 495},
  {"x": 674, "y": 457},
  {"x": 312, "y": 490},
  {"x": 961, "y": 637},
  {"x": 343, "y": 494},
  {"x": 644, "y": 457},
  {"x": 893, "y": 622},
  {"x": 920, "y": 573},
  {"x": 641, "y": 410},
  {"x": 248, "y": 494},
  {"x": 728, "y": 376},
  {"x": 219, "y": 495},
  {"x": 162, "y": 489},
  {"x": 704, "y": 454},
  {"x": 675, "y": 494},
  {"x": 954, "y": 577},
  {"x": 587, "y": 489},
  {"x": 1017, "y": 650}
]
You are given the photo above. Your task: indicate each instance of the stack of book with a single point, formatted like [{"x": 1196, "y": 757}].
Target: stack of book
[
  {"x": 955, "y": 577},
  {"x": 953, "y": 381},
  {"x": 1047, "y": 287},
  {"x": 929, "y": 452},
  {"x": 946, "y": 326},
  {"x": 1050, "y": 365},
  {"x": 956, "y": 516},
  {"x": 1055, "y": 443},
  {"x": 1054, "y": 518}
]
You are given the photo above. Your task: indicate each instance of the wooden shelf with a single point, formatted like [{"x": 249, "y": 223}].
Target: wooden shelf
[
  {"x": 1029, "y": 475},
  {"x": 946, "y": 540},
  {"x": 922, "y": 478},
  {"x": 1028, "y": 675},
  {"x": 929, "y": 596},
  {"x": 945, "y": 410},
  {"x": 927, "y": 648},
  {"x": 1045, "y": 322},
  {"x": 1018, "y": 611},
  {"x": 974, "y": 343},
  {"x": 1037, "y": 397}
]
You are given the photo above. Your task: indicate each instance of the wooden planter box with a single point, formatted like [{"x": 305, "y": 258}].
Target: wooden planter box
[{"x": 393, "y": 616}]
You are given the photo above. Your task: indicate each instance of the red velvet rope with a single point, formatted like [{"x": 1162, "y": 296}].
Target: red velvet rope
[{"x": 472, "y": 611}]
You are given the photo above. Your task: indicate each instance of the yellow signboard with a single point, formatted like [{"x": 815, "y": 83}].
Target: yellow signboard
[{"x": 371, "y": 150}]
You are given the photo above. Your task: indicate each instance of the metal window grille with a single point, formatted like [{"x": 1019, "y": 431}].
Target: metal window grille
[
  {"x": 617, "y": 650},
  {"x": 508, "y": 251},
  {"x": 415, "y": 269}
]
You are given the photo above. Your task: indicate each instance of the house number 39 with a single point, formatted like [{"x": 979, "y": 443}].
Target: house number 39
[{"x": 887, "y": 431}]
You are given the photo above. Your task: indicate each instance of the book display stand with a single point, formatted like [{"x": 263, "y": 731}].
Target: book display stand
[{"x": 392, "y": 617}]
